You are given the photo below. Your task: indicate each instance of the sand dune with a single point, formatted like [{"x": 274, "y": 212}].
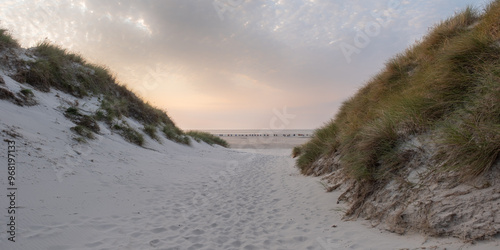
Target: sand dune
[{"x": 111, "y": 194}]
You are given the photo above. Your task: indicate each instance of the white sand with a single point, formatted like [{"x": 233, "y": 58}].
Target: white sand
[{"x": 110, "y": 194}]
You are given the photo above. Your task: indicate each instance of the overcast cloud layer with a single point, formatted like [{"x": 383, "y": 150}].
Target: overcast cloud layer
[{"x": 216, "y": 64}]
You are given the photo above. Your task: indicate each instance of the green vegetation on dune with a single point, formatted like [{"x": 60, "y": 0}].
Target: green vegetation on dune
[
  {"x": 175, "y": 134},
  {"x": 207, "y": 138},
  {"x": 128, "y": 133},
  {"x": 150, "y": 130},
  {"x": 6, "y": 40},
  {"x": 448, "y": 85},
  {"x": 55, "y": 67}
]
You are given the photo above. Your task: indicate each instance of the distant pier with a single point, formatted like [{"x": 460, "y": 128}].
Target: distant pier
[{"x": 263, "y": 135}]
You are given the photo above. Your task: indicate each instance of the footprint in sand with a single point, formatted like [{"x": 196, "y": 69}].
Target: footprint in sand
[
  {"x": 158, "y": 230},
  {"x": 300, "y": 238},
  {"x": 198, "y": 232},
  {"x": 135, "y": 235},
  {"x": 154, "y": 243}
]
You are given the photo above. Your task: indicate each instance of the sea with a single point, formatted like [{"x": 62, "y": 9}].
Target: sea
[
  {"x": 261, "y": 132},
  {"x": 264, "y": 138}
]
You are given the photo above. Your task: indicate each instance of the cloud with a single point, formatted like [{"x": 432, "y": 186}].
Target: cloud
[{"x": 263, "y": 54}]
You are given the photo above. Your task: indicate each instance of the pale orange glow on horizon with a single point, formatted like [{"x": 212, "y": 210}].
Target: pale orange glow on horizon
[{"x": 210, "y": 73}]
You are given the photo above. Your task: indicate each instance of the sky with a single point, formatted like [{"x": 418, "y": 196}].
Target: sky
[{"x": 234, "y": 64}]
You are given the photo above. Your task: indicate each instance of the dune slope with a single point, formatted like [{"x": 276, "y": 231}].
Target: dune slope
[{"x": 417, "y": 148}]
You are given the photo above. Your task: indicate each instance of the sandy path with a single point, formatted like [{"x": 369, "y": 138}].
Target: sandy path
[
  {"x": 257, "y": 201},
  {"x": 235, "y": 200},
  {"x": 252, "y": 207},
  {"x": 252, "y": 203}
]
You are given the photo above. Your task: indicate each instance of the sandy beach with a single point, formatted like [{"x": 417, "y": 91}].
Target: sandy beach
[
  {"x": 170, "y": 125},
  {"x": 111, "y": 194}
]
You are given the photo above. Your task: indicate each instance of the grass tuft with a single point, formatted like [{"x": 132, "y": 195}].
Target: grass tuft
[
  {"x": 471, "y": 147},
  {"x": 322, "y": 143},
  {"x": 151, "y": 131},
  {"x": 175, "y": 134},
  {"x": 6, "y": 94},
  {"x": 86, "y": 125},
  {"x": 83, "y": 131},
  {"x": 296, "y": 151},
  {"x": 72, "y": 111},
  {"x": 133, "y": 136},
  {"x": 208, "y": 138},
  {"x": 27, "y": 92},
  {"x": 129, "y": 133},
  {"x": 6, "y": 40},
  {"x": 470, "y": 140},
  {"x": 56, "y": 53}
]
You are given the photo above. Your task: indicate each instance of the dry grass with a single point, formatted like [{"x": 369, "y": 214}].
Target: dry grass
[
  {"x": 323, "y": 139},
  {"x": 6, "y": 40},
  {"x": 207, "y": 138},
  {"x": 175, "y": 134},
  {"x": 55, "y": 67},
  {"x": 128, "y": 133},
  {"x": 471, "y": 139},
  {"x": 150, "y": 130},
  {"x": 447, "y": 83},
  {"x": 85, "y": 125}
]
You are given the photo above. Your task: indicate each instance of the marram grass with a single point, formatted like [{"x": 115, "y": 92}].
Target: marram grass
[{"x": 447, "y": 84}]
